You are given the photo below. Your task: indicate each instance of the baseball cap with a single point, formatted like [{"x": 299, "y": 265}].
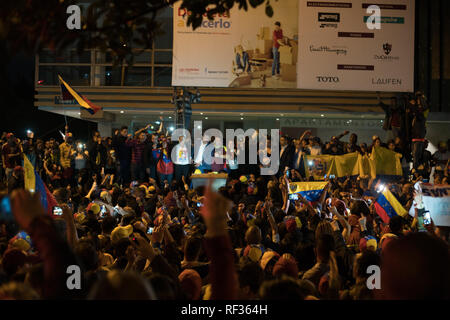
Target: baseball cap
[
  {"x": 94, "y": 207},
  {"x": 368, "y": 243},
  {"x": 267, "y": 257},
  {"x": 121, "y": 233},
  {"x": 18, "y": 169}
]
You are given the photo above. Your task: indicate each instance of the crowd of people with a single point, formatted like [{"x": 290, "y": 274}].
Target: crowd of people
[{"x": 128, "y": 216}]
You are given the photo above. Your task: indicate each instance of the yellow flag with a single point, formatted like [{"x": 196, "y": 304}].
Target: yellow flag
[
  {"x": 385, "y": 162},
  {"x": 29, "y": 176}
]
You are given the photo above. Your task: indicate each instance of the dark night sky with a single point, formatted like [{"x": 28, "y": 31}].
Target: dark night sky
[{"x": 18, "y": 112}]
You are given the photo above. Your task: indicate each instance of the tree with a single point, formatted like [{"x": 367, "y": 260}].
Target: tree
[{"x": 119, "y": 25}]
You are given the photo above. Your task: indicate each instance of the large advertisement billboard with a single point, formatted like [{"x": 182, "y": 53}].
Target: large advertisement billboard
[
  {"x": 237, "y": 50},
  {"x": 342, "y": 48},
  {"x": 306, "y": 44}
]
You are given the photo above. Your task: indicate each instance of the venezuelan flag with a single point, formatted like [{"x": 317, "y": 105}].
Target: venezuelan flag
[
  {"x": 311, "y": 190},
  {"x": 34, "y": 183},
  {"x": 68, "y": 93},
  {"x": 387, "y": 206}
]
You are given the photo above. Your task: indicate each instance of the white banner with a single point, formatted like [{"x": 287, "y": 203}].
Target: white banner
[
  {"x": 318, "y": 45},
  {"x": 339, "y": 51},
  {"x": 436, "y": 199},
  {"x": 236, "y": 50}
]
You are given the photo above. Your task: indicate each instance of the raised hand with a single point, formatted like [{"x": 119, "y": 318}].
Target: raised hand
[
  {"x": 26, "y": 207},
  {"x": 214, "y": 212}
]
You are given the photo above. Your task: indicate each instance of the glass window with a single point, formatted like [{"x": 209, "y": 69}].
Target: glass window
[
  {"x": 163, "y": 77},
  {"x": 143, "y": 57},
  {"x": 73, "y": 75},
  {"x": 111, "y": 76},
  {"x": 163, "y": 57},
  {"x": 69, "y": 56},
  {"x": 138, "y": 76}
]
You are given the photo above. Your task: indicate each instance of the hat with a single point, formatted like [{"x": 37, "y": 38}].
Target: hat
[
  {"x": 291, "y": 225},
  {"x": 21, "y": 244},
  {"x": 94, "y": 207},
  {"x": 121, "y": 233},
  {"x": 18, "y": 169},
  {"x": 368, "y": 242},
  {"x": 197, "y": 171},
  {"x": 254, "y": 253},
  {"x": 267, "y": 257},
  {"x": 191, "y": 283},
  {"x": 287, "y": 267},
  {"x": 243, "y": 179}
]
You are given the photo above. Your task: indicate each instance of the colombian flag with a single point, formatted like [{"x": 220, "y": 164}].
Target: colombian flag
[
  {"x": 34, "y": 183},
  {"x": 68, "y": 93},
  {"x": 387, "y": 206},
  {"x": 311, "y": 191}
]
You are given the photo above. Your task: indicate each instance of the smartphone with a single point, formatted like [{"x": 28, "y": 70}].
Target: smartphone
[
  {"x": 293, "y": 196},
  {"x": 150, "y": 230},
  {"x": 427, "y": 218},
  {"x": 5, "y": 210},
  {"x": 57, "y": 211}
]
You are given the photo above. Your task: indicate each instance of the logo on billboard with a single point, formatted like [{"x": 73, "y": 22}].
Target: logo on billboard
[
  {"x": 387, "y": 49},
  {"x": 387, "y": 81},
  {"x": 334, "y": 49},
  {"x": 329, "y": 17},
  {"x": 327, "y": 79}
]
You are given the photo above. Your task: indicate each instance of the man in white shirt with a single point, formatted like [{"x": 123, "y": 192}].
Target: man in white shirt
[
  {"x": 182, "y": 160},
  {"x": 199, "y": 161}
]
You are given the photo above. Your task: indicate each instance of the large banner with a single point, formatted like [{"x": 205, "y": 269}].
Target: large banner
[
  {"x": 381, "y": 162},
  {"x": 237, "y": 50},
  {"x": 436, "y": 200},
  {"x": 317, "y": 45},
  {"x": 338, "y": 51}
]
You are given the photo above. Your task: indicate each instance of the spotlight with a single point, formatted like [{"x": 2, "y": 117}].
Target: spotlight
[{"x": 381, "y": 188}]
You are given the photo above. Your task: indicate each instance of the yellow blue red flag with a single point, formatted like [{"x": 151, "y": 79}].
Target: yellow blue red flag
[
  {"x": 387, "y": 206},
  {"x": 311, "y": 190},
  {"x": 69, "y": 93}
]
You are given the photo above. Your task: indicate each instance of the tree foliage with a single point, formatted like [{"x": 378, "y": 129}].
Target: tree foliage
[{"x": 122, "y": 26}]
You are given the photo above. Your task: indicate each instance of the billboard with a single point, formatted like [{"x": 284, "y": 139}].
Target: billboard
[
  {"x": 339, "y": 51},
  {"x": 237, "y": 50},
  {"x": 317, "y": 45}
]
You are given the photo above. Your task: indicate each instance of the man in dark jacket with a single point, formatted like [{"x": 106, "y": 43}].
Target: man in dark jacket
[
  {"x": 287, "y": 151},
  {"x": 97, "y": 154},
  {"x": 418, "y": 113},
  {"x": 123, "y": 153}
]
